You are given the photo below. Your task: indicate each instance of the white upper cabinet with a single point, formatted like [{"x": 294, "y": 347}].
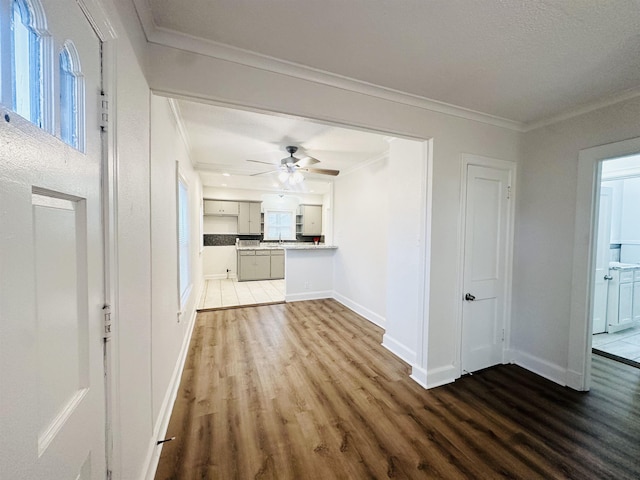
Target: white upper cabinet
[
  {"x": 220, "y": 207},
  {"x": 311, "y": 219}
]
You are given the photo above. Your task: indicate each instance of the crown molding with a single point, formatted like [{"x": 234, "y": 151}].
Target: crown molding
[
  {"x": 189, "y": 43},
  {"x": 590, "y": 107},
  {"x": 181, "y": 41},
  {"x": 182, "y": 130}
]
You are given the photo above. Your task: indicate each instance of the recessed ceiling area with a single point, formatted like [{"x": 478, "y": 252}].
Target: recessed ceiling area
[
  {"x": 222, "y": 140},
  {"x": 525, "y": 61}
]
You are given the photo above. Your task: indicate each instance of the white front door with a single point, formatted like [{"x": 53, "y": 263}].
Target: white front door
[
  {"x": 485, "y": 266},
  {"x": 601, "y": 282},
  {"x": 52, "y": 423}
]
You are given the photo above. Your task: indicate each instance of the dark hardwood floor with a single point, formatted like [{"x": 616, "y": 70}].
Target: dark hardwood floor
[{"x": 305, "y": 391}]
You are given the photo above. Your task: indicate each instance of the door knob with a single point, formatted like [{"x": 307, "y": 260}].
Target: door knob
[
  {"x": 608, "y": 277},
  {"x": 469, "y": 297}
]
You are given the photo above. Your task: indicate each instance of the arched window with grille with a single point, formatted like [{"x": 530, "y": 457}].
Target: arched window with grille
[
  {"x": 71, "y": 99},
  {"x": 26, "y": 62}
]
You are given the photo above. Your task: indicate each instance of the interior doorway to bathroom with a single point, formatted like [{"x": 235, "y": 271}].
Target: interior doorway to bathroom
[{"x": 616, "y": 285}]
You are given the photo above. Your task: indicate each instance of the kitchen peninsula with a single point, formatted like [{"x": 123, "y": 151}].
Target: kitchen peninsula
[{"x": 308, "y": 268}]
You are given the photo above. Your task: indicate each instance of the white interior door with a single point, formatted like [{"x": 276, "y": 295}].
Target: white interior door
[
  {"x": 51, "y": 289},
  {"x": 485, "y": 273},
  {"x": 601, "y": 283}
]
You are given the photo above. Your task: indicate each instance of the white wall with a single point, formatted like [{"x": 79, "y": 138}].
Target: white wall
[
  {"x": 361, "y": 216},
  {"x": 134, "y": 429},
  {"x": 406, "y": 197},
  {"x": 147, "y": 338},
  {"x": 544, "y": 231},
  {"x": 168, "y": 329}
]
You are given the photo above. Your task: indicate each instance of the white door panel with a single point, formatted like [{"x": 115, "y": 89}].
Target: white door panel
[
  {"x": 486, "y": 222},
  {"x": 601, "y": 284},
  {"x": 51, "y": 288}
]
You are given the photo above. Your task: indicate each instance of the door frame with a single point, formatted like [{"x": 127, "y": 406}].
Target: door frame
[
  {"x": 101, "y": 22},
  {"x": 590, "y": 160},
  {"x": 481, "y": 161}
]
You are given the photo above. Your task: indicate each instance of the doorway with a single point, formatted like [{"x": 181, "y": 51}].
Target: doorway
[{"x": 616, "y": 283}]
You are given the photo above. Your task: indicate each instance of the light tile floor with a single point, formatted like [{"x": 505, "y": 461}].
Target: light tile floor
[
  {"x": 231, "y": 293},
  {"x": 625, "y": 344}
]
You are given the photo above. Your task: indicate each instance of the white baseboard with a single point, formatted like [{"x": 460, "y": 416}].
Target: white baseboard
[
  {"x": 162, "y": 422},
  {"x": 437, "y": 377},
  {"x": 221, "y": 276},
  {"x": 575, "y": 380},
  {"x": 398, "y": 349},
  {"x": 419, "y": 375},
  {"x": 541, "y": 367},
  {"x": 299, "y": 297},
  {"x": 360, "y": 310}
]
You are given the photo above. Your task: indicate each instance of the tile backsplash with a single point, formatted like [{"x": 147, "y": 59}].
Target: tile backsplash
[{"x": 229, "y": 239}]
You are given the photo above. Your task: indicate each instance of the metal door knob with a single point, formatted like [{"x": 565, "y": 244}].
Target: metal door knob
[
  {"x": 469, "y": 297},
  {"x": 608, "y": 277}
]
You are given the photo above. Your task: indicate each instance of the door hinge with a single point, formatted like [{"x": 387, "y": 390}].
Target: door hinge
[
  {"x": 508, "y": 192},
  {"x": 104, "y": 111},
  {"x": 503, "y": 334},
  {"x": 106, "y": 312}
]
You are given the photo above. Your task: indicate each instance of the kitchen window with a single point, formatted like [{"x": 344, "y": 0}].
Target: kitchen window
[{"x": 279, "y": 225}]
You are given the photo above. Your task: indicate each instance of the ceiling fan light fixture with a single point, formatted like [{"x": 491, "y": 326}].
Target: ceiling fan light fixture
[
  {"x": 283, "y": 176},
  {"x": 297, "y": 177}
]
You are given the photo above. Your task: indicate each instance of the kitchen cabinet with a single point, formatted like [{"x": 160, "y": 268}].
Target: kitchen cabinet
[
  {"x": 249, "y": 218},
  {"x": 277, "y": 264},
  {"x": 220, "y": 207},
  {"x": 310, "y": 219},
  {"x": 623, "y": 305},
  {"x": 260, "y": 264},
  {"x": 254, "y": 265}
]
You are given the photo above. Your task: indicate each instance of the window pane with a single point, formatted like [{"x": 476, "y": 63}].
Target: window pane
[
  {"x": 68, "y": 102},
  {"x": 279, "y": 225},
  {"x": 26, "y": 65},
  {"x": 183, "y": 239}
]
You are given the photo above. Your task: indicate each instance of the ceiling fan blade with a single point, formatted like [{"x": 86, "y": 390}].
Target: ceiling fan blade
[
  {"x": 307, "y": 161},
  {"x": 263, "y": 173},
  {"x": 258, "y": 161},
  {"x": 322, "y": 171}
]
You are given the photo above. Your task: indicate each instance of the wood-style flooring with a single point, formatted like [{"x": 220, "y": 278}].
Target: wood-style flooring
[{"x": 305, "y": 391}]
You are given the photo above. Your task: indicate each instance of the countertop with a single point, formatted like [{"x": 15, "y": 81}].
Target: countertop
[
  {"x": 623, "y": 266},
  {"x": 289, "y": 246}
]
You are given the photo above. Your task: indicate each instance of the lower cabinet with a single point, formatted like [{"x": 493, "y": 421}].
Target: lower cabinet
[
  {"x": 277, "y": 264},
  {"x": 260, "y": 264},
  {"x": 623, "y": 306}
]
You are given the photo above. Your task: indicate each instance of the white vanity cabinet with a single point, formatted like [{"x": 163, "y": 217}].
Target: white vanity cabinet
[
  {"x": 635, "y": 311},
  {"x": 623, "y": 303}
]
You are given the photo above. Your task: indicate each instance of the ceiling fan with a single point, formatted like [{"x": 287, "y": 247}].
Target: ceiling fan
[{"x": 290, "y": 167}]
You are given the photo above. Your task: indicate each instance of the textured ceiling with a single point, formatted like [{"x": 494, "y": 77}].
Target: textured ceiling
[{"x": 516, "y": 59}]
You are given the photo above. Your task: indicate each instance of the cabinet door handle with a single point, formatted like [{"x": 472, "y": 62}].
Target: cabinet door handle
[
  {"x": 608, "y": 277},
  {"x": 469, "y": 297}
]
